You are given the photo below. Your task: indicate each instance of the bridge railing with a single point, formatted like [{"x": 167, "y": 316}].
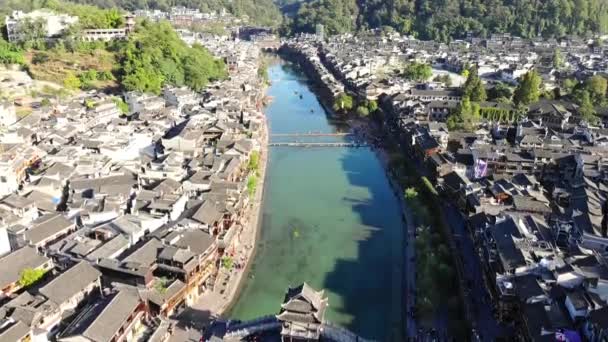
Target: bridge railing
[
  {"x": 337, "y": 333},
  {"x": 260, "y": 327},
  {"x": 253, "y": 322}
]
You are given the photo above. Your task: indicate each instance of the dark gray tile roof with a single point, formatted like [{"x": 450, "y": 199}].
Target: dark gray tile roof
[
  {"x": 146, "y": 254},
  {"x": 208, "y": 213},
  {"x": 71, "y": 282},
  {"x": 15, "y": 332},
  {"x": 13, "y": 264},
  {"x": 47, "y": 226},
  {"x": 115, "y": 314}
]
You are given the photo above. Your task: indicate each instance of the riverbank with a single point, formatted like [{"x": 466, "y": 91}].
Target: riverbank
[
  {"x": 255, "y": 225},
  {"x": 217, "y": 302}
]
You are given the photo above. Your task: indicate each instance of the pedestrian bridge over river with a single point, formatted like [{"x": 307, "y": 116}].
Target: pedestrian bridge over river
[
  {"x": 312, "y": 134},
  {"x": 318, "y": 144},
  {"x": 298, "y": 143},
  {"x": 239, "y": 331}
]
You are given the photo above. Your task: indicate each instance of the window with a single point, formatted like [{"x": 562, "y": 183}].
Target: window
[{"x": 2, "y": 179}]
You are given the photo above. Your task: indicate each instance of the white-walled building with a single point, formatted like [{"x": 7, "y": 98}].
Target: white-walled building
[
  {"x": 53, "y": 23},
  {"x": 5, "y": 246},
  {"x": 8, "y": 114}
]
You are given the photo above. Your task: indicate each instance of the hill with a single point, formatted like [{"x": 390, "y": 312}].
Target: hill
[
  {"x": 447, "y": 19},
  {"x": 152, "y": 56},
  {"x": 261, "y": 12}
]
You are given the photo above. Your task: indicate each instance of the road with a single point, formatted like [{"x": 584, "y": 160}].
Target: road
[{"x": 483, "y": 321}]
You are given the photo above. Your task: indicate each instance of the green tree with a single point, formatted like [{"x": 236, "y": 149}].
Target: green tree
[
  {"x": 465, "y": 117},
  {"x": 105, "y": 75},
  {"x": 558, "y": 59},
  {"x": 32, "y": 32},
  {"x": 500, "y": 91},
  {"x": 161, "y": 285},
  {"x": 568, "y": 85},
  {"x": 362, "y": 111},
  {"x": 144, "y": 79},
  {"x": 444, "y": 20},
  {"x": 89, "y": 17},
  {"x": 30, "y": 276},
  {"x": 227, "y": 262},
  {"x": 418, "y": 72},
  {"x": 71, "y": 82},
  {"x": 343, "y": 103},
  {"x": 528, "y": 90},
  {"x": 254, "y": 161},
  {"x": 89, "y": 103},
  {"x": 252, "y": 183},
  {"x": 586, "y": 109},
  {"x": 88, "y": 77},
  {"x": 336, "y": 16},
  {"x": 597, "y": 86},
  {"x": 10, "y": 53},
  {"x": 372, "y": 106},
  {"x": 473, "y": 87},
  {"x": 465, "y": 73},
  {"x": 445, "y": 79},
  {"x": 155, "y": 55},
  {"x": 410, "y": 193},
  {"x": 122, "y": 105}
]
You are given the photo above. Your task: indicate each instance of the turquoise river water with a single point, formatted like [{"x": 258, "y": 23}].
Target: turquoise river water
[{"x": 329, "y": 219}]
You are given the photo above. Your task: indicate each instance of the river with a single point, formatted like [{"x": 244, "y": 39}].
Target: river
[{"x": 330, "y": 219}]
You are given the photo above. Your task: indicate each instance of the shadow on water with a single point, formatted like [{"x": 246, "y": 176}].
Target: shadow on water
[
  {"x": 330, "y": 219},
  {"x": 370, "y": 285}
]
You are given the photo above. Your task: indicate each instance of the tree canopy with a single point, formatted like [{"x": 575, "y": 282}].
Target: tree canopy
[
  {"x": 528, "y": 90},
  {"x": 586, "y": 109},
  {"x": 418, "y": 72},
  {"x": 501, "y": 92},
  {"x": 473, "y": 87},
  {"x": 465, "y": 117},
  {"x": 10, "y": 53},
  {"x": 155, "y": 55},
  {"x": 29, "y": 276},
  {"x": 597, "y": 86},
  {"x": 446, "y": 19},
  {"x": 343, "y": 103},
  {"x": 337, "y": 16}
]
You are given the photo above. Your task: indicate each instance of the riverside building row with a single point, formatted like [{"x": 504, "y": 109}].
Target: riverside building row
[
  {"x": 531, "y": 184},
  {"x": 112, "y": 224}
]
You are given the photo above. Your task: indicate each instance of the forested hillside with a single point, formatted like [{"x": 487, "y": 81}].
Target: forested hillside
[
  {"x": 155, "y": 55},
  {"x": 262, "y": 12},
  {"x": 445, "y": 19}
]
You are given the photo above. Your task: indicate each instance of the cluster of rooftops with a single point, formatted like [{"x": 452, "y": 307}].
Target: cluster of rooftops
[{"x": 112, "y": 222}]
